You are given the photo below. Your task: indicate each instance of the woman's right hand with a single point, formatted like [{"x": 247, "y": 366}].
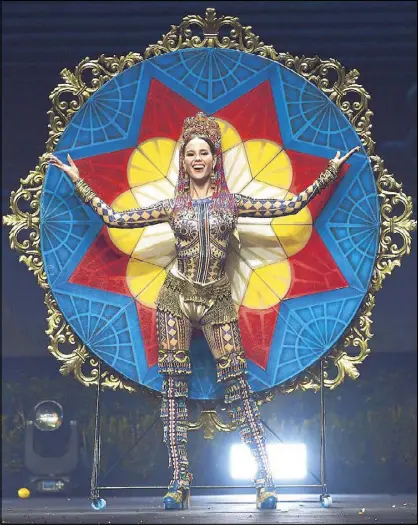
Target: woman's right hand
[{"x": 71, "y": 170}]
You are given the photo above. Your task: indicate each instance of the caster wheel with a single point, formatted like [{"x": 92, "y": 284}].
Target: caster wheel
[
  {"x": 98, "y": 504},
  {"x": 326, "y": 501}
]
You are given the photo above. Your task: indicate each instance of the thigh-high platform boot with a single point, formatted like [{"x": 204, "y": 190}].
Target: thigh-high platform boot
[
  {"x": 243, "y": 411},
  {"x": 174, "y": 416}
]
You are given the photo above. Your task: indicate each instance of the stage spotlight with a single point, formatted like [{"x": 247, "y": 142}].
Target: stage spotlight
[
  {"x": 51, "y": 449},
  {"x": 287, "y": 461},
  {"x": 48, "y": 415}
]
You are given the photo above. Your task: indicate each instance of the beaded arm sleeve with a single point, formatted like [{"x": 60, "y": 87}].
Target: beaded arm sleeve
[
  {"x": 253, "y": 207},
  {"x": 135, "y": 218}
]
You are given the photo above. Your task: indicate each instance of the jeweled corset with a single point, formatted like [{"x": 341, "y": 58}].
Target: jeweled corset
[{"x": 202, "y": 237}]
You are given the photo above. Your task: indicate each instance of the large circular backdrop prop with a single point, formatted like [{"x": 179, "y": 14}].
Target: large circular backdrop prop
[{"x": 297, "y": 281}]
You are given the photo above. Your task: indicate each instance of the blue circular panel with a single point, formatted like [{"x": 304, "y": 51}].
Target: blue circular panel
[{"x": 111, "y": 124}]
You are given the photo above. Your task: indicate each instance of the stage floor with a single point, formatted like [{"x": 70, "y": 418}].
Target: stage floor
[{"x": 232, "y": 508}]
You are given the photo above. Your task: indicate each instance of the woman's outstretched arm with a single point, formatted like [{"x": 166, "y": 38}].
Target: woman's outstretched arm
[
  {"x": 134, "y": 218},
  {"x": 254, "y": 207}
]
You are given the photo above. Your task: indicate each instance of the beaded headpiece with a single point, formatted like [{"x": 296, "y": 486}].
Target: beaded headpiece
[
  {"x": 201, "y": 126},
  {"x": 206, "y": 127}
]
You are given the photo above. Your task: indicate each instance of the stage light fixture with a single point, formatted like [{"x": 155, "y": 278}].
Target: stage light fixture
[
  {"x": 48, "y": 416},
  {"x": 51, "y": 449},
  {"x": 288, "y": 461}
]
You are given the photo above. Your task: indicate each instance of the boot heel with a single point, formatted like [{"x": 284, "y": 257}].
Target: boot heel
[
  {"x": 266, "y": 499},
  {"x": 186, "y": 499},
  {"x": 177, "y": 500}
]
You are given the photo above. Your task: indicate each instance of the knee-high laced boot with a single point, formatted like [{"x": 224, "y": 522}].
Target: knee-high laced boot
[
  {"x": 244, "y": 412},
  {"x": 174, "y": 416}
]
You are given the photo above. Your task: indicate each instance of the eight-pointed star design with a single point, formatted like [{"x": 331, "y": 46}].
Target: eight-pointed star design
[{"x": 279, "y": 259}]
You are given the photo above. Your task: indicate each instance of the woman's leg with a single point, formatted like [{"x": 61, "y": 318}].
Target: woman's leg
[
  {"x": 174, "y": 336},
  {"x": 245, "y": 414},
  {"x": 226, "y": 347},
  {"x": 174, "y": 416}
]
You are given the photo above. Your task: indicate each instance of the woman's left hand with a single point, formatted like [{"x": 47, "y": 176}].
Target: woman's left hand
[{"x": 338, "y": 161}]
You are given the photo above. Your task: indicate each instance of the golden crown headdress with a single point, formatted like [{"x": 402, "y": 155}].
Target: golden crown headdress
[{"x": 201, "y": 125}]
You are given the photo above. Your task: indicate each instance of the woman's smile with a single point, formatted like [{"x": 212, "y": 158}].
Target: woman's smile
[{"x": 198, "y": 159}]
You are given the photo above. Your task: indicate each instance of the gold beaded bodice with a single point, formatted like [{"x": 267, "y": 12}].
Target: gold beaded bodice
[
  {"x": 202, "y": 234},
  {"x": 202, "y": 237}
]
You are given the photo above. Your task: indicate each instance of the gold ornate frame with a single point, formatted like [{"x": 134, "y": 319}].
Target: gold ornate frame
[{"x": 196, "y": 32}]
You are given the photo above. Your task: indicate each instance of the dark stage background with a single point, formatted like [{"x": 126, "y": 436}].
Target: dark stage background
[{"x": 372, "y": 427}]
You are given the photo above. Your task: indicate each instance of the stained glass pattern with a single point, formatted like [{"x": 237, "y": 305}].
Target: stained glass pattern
[
  {"x": 210, "y": 75},
  {"x": 106, "y": 116},
  {"x": 297, "y": 281}
]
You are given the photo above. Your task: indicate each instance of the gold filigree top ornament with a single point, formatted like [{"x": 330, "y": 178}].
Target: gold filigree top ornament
[{"x": 181, "y": 37}]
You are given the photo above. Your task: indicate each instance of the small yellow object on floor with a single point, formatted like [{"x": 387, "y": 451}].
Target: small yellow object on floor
[{"x": 23, "y": 493}]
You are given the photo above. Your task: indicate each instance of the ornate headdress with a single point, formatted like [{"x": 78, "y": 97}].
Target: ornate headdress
[
  {"x": 201, "y": 126},
  {"x": 206, "y": 127}
]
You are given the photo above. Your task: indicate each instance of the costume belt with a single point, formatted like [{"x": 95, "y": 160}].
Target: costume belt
[{"x": 195, "y": 299}]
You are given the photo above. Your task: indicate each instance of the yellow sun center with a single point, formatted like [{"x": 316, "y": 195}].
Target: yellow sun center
[{"x": 260, "y": 272}]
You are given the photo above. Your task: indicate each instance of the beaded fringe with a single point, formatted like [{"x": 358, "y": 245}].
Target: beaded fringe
[
  {"x": 218, "y": 299},
  {"x": 231, "y": 366},
  {"x": 244, "y": 413},
  {"x": 174, "y": 416},
  {"x": 181, "y": 388},
  {"x": 170, "y": 362},
  {"x": 234, "y": 392}
]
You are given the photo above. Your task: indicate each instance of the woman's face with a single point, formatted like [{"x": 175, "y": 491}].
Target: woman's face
[{"x": 198, "y": 160}]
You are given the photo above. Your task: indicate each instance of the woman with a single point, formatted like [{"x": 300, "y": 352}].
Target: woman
[{"x": 196, "y": 292}]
